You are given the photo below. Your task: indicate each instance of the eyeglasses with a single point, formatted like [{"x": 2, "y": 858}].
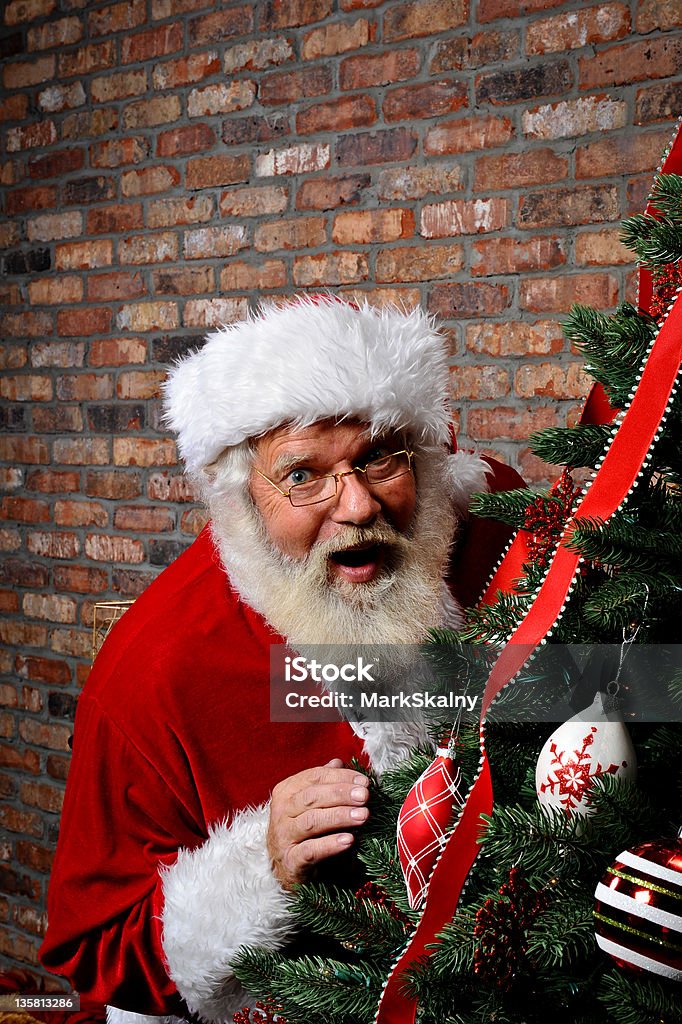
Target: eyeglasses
[{"x": 322, "y": 488}]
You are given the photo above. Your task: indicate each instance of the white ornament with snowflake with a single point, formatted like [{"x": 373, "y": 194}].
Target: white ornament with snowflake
[{"x": 586, "y": 747}]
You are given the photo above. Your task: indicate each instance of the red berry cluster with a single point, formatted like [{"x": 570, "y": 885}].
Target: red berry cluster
[
  {"x": 666, "y": 283},
  {"x": 545, "y": 520},
  {"x": 264, "y": 1013},
  {"x": 373, "y": 893},
  {"x": 501, "y": 930}
]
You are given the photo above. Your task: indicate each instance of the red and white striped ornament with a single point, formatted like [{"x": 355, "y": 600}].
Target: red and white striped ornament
[
  {"x": 424, "y": 820},
  {"x": 638, "y": 909}
]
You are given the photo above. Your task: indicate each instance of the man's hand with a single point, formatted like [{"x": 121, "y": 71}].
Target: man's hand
[{"x": 308, "y": 813}]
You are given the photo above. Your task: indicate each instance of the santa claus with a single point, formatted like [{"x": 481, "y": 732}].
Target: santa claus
[{"x": 318, "y": 433}]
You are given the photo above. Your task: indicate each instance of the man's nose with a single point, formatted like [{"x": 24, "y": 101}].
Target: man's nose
[{"x": 355, "y": 502}]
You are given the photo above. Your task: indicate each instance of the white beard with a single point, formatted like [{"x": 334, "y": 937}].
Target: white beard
[{"x": 303, "y": 602}]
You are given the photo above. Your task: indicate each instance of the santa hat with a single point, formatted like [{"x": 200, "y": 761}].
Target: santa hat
[{"x": 313, "y": 358}]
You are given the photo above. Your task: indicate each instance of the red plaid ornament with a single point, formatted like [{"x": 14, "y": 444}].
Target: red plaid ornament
[{"x": 423, "y": 822}]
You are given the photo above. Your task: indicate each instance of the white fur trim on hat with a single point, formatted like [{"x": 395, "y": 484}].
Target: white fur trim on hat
[{"x": 313, "y": 358}]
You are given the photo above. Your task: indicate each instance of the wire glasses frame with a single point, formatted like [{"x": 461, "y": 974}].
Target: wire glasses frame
[{"x": 378, "y": 471}]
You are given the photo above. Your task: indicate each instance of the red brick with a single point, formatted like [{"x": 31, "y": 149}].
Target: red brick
[
  {"x": 214, "y": 312},
  {"x": 489, "y": 10},
  {"x": 551, "y": 381},
  {"x": 24, "y": 761},
  {"x": 463, "y": 217},
  {"x": 103, "y": 548},
  {"x": 95, "y": 57},
  {"x": 301, "y": 233},
  {"x": 601, "y": 248},
  {"x": 80, "y": 513},
  {"x": 193, "y": 522},
  {"x": 117, "y": 17},
  {"x": 633, "y": 62},
  {"x": 265, "y": 274},
  {"x": 149, "y": 113},
  {"x": 119, "y": 86},
  {"x": 183, "y": 281},
  {"x": 658, "y": 14},
  {"x": 359, "y": 227},
  {"x": 658, "y": 103},
  {"x": 378, "y": 69},
  {"x": 60, "y": 419},
  {"x": 172, "y": 8},
  {"x": 113, "y": 484},
  {"x": 26, "y": 388},
  {"x": 452, "y": 301},
  {"x": 155, "y": 42},
  {"x": 333, "y": 39},
  {"x": 148, "y": 249},
  {"x": 115, "y": 287},
  {"x": 423, "y": 18},
  {"x": 81, "y": 580},
  {"x": 578, "y": 28},
  {"x": 49, "y": 226},
  {"x": 478, "y": 382},
  {"x": 26, "y": 325},
  {"x": 422, "y": 263},
  {"x": 140, "y": 384},
  {"x": 19, "y": 573},
  {"x": 376, "y": 148},
  {"x": 25, "y": 510},
  {"x": 257, "y": 54},
  {"x": 48, "y": 291},
  {"x": 337, "y": 115},
  {"x": 9, "y": 602},
  {"x": 186, "y": 70},
  {"x": 13, "y": 356},
  {"x": 117, "y": 351},
  {"x": 290, "y": 13},
  {"x": 52, "y": 607},
  {"x": 173, "y": 487},
  {"x": 29, "y": 136},
  {"x": 509, "y": 422},
  {"x": 559, "y": 293},
  {"x": 33, "y": 856},
  {"x": 118, "y": 152},
  {"x": 58, "y": 767},
  {"x": 298, "y": 159},
  {"x": 208, "y": 171},
  {"x": 14, "y": 108},
  {"x": 89, "y": 451},
  {"x": 574, "y": 117},
  {"x": 34, "y": 197},
  {"x": 50, "y": 482},
  {"x": 254, "y": 202},
  {"x": 84, "y": 255},
  {"x": 468, "y": 134},
  {"x": 163, "y": 213},
  {"x": 516, "y": 255},
  {"x": 23, "y": 74},
  {"x": 147, "y": 316},
  {"x": 30, "y": 920},
  {"x": 18, "y": 11},
  {"x": 10, "y": 540},
  {"x": 279, "y": 87},
  {"x": 210, "y": 28},
  {"x": 336, "y": 268},
  {"x": 192, "y": 139},
  {"x": 31, "y": 699},
  {"x": 221, "y": 98},
  {"x": 22, "y": 634},
  {"x": 460, "y": 53},
  {"x": 626, "y": 154},
  {"x": 28, "y": 823},
  {"x": 585, "y": 204},
  {"x": 23, "y": 449},
  {"x": 53, "y": 736},
  {"x": 149, "y": 180},
  {"x": 90, "y": 123},
  {"x": 114, "y": 219},
  {"x": 514, "y": 170},
  {"x": 330, "y": 193},
  {"x": 56, "y": 98},
  {"x": 82, "y": 322},
  {"x": 54, "y": 165},
  {"x": 204, "y": 243},
  {"x": 142, "y": 451},
  {"x": 526, "y": 83},
  {"x": 143, "y": 518},
  {"x": 428, "y": 99},
  {"x": 76, "y": 643}
]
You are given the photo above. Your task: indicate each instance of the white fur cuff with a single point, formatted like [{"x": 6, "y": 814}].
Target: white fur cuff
[
  {"x": 217, "y": 898},
  {"x": 116, "y": 1016}
]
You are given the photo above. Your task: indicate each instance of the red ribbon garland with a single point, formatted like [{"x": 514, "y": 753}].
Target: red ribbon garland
[{"x": 610, "y": 487}]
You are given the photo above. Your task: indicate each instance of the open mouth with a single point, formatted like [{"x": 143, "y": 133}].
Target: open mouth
[{"x": 358, "y": 564}]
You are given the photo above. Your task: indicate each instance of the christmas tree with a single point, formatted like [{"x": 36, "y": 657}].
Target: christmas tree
[{"x": 522, "y": 944}]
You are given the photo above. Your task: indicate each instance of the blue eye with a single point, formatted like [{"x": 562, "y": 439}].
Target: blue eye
[{"x": 299, "y": 476}]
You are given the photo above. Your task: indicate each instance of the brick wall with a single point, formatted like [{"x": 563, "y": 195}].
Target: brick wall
[{"x": 166, "y": 162}]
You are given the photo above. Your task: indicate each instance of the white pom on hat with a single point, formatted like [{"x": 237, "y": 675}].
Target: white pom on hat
[{"x": 314, "y": 358}]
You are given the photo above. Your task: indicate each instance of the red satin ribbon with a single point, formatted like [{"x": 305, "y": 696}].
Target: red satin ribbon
[{"x": 608, "y": 490}]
